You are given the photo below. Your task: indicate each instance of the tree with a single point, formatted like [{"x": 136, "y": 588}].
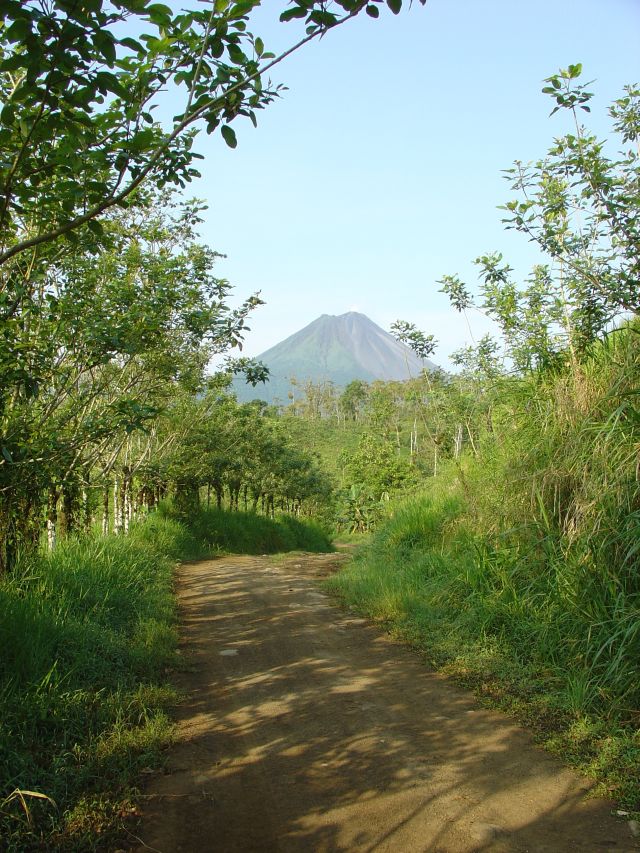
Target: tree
[
  {"x": 353, "y": 399},
  {"x": 77, "y": 132},
  {"x": 108, "y": 306},
  {"x": 100, "y": 346},
  {"x": 580, "y": 206}
]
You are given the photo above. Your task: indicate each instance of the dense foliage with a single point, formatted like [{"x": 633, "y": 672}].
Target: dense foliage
[
  {"x": 78, "y": 86},
  {"x": 517, "y": 569},
  {"x": 109, "y": 306}
]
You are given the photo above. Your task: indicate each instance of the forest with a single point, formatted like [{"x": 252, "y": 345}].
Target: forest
[{"x": 495, "y": 509}]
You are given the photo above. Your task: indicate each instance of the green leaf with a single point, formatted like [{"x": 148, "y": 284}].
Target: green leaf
[
  {"x": 242, "y": 8},
  {"x": 7, "y": 455},
  {"x": 229, "y": 136},
  {"x": 395, "y": 6},
  {"x": 259, "y": 46},
  {"x": 18, "y": 30},
  {"x": 236, "y": 55},
  {"x": 110, "y": 82},
  {"x": 290, "y": 14},
  {"x": 373, "y": 11},
  {"x": 159, "y": 13},
  {"x": 8, "y": 114},
  {"x": 95, "y": 227},
  {"x": 132, "y": 44},
  {"x": 106, "y": 45}
]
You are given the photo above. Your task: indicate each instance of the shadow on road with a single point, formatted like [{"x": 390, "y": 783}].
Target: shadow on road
[{"x": 308, "y": 730}]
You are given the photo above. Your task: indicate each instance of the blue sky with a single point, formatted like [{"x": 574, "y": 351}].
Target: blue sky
[{"x": 380, "y": 168}]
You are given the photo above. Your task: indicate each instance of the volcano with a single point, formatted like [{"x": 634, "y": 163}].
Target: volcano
[{"x": 334, "y": 349}]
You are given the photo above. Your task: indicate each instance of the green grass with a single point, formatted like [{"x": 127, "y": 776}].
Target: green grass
[
  {"x": 88, "y": 636},
  {"x": 528, "y": 625},
  {"x": 249, "y": 533}
]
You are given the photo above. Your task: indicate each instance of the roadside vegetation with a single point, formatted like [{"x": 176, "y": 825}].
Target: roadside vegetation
[
  {"x": 516, "y": 571},
  {"x": 515, "y": 565}
]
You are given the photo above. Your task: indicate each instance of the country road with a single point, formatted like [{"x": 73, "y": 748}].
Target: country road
[{"x": 306, "y": 729}]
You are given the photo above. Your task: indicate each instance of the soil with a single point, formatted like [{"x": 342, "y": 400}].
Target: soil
[{"x": 306, "y": 728}]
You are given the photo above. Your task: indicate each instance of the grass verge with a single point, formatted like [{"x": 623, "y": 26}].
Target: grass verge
[
  {"x": 249, "y": 533},
  {"x": 515, "y": 632}
]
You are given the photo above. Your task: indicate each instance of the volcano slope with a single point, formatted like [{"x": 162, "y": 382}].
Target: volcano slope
[{"x": 306, "y": 729}]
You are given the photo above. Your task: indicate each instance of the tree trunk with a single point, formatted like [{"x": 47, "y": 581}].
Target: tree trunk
[
  {"x": 117, "y": 517},
  {"x": 127, "y": 504},
  {"x": 105, "y": 511},
  {"x": 458, "y": 441},
  {"x": 68, "y": 514},
  {"x": 470, "y": 434},
  {"x": 126, "y": 507},
  {"x": 86, "y": 510},
  {"x": 52, "y": 517},
  {"x": 125, "y": 499}
]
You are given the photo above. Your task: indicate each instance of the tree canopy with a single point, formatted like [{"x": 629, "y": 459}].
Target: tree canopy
[{"x": 78, "y": 91}]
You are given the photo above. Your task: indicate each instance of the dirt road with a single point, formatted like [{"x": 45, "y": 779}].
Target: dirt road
[{"x": 308, "y": 730}]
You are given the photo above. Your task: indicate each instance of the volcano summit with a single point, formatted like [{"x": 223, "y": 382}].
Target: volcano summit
[{"x": 334, "y": 349}]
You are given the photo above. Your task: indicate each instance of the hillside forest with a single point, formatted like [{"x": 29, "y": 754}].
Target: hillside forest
[{"x": 496, "y": 507}]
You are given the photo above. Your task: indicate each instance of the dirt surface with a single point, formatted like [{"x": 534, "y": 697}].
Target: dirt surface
[{"x": 306, "y": 729}]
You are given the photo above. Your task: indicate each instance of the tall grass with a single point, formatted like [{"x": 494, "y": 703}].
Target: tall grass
[
  {"x": 519, "y": 569},
  {"x": 250, "y": 533},
  {"x": 87, "y": 635}
]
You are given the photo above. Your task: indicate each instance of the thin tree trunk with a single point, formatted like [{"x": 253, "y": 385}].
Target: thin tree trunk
[
  {"x": 458, "y": 441},
  {"x": 52, "y": 517},
  {"x": 105, "y": 511},
  {"x": 86, "y": 509},
  {"x": 126, "y": 504},
  {"x": 67, "y": 516},
  {"x": 473, "y": 446},
  {"x": 117, "y": 517}
]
